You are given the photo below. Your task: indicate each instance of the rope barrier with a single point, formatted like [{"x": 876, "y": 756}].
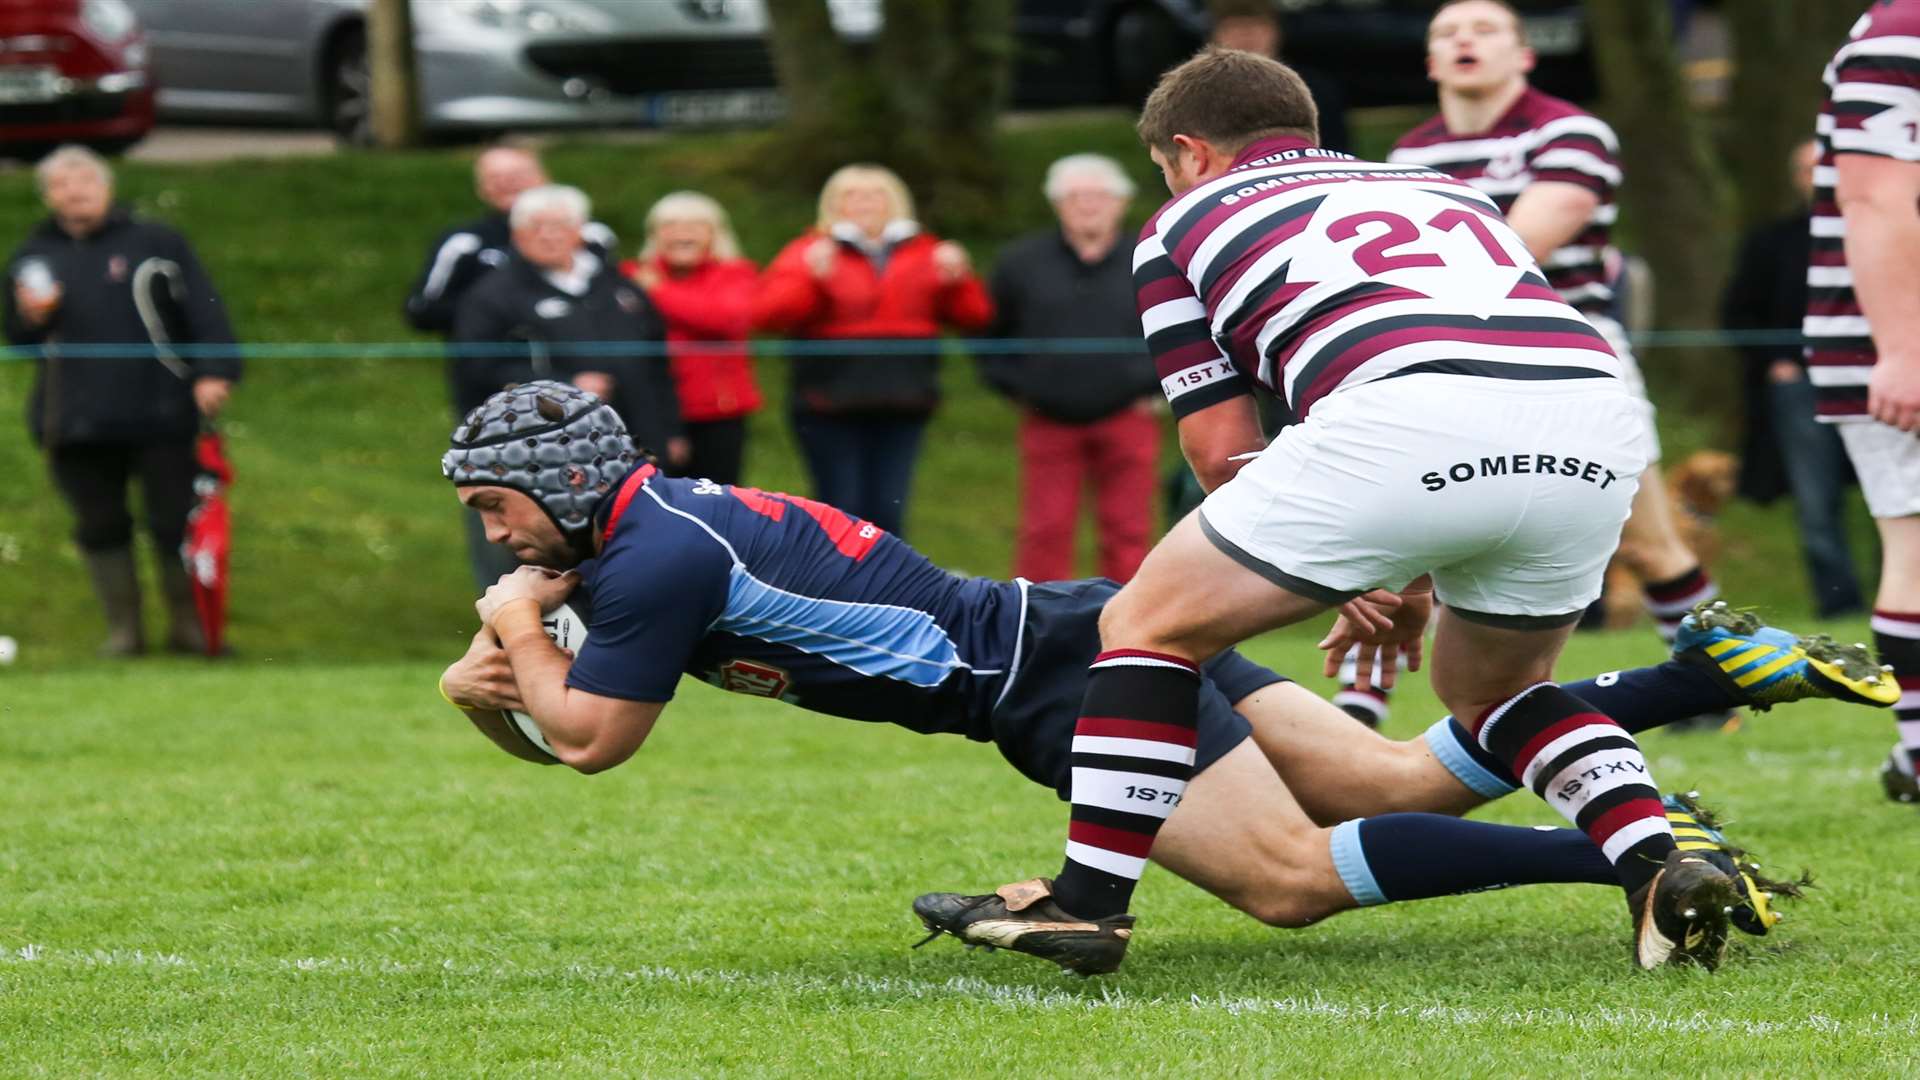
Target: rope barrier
[{"x": 764, "y": 348}]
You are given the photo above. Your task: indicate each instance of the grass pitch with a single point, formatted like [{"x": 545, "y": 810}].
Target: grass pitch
[{"x": 274, "y": 869}]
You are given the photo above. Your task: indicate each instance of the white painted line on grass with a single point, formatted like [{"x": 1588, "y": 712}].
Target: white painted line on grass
[{"x": 975, "y": 989}]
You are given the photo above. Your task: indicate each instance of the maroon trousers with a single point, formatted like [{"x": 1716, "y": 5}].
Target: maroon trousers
[{"x": 1120, "y": 455}]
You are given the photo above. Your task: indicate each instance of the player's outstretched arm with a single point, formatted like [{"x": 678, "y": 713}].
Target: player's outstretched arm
[{"x": 590, "y": 733}]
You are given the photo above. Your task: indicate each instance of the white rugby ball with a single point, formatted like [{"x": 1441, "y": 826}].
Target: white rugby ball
[{"x": 569, "y": 631}]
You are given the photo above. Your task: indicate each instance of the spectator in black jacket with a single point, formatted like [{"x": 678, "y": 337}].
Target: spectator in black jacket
[
  {"x": 1084, "y": 415},
  {"x": 1768, "y": 292},
  {"x": 92, "y": 275},
  {"x": 463, "y": 255},
  {"x": 552, "y": 303}
]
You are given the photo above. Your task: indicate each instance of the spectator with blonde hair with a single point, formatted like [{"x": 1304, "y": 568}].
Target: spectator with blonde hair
[
  {"x": 867, "y": 270},
  {"x": 693, "y": 272}
]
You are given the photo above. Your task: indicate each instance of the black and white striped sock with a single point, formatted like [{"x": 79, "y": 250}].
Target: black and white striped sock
[
  {"x": 1133, "y": 752},
  {"x": 1896, "y": 635}
]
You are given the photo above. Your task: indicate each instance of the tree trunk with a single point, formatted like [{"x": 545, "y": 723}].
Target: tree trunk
[
  {"x": 1672, "y": 192},
  {"x": 922, "y": 99},
  {"x": 1779, "y": 49},
  {"x": 395, "y": 92}
]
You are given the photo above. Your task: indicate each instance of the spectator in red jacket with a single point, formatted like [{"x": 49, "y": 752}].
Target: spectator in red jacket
[
  {"x": 867, "y": 271},
  {"x": 691, "y": 269}
]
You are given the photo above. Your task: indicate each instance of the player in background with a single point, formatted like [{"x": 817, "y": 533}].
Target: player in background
[
  {"x": 1553, "y": 170},
  {"x": 1863, "y": 325},
  {"x": 1465, "y": 437},
  {"x": 771, "y": 596}
]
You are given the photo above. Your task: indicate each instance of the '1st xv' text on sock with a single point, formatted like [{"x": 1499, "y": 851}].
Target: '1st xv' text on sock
[
  {"x": 1132, "y": 755},
  {"x": 1588, "y": 768}
]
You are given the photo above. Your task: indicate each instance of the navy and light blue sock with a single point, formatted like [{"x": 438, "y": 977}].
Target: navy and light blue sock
[{"x": 1397, "y": 857}]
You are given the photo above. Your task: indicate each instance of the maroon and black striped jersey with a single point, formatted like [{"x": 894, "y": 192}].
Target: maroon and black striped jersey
[
  {"x": 1306, "y": 271},
  {"x": 1873, "y": 107},
  {"x": 1541, "y": 138}
]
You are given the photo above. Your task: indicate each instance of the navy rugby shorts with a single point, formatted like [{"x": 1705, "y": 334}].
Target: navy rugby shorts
[{"x": 1033, "y": 723}]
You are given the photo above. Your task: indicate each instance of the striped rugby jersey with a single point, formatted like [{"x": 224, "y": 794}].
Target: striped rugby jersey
[
  {"x": 1873, "y": 107},
  {"x": 1304, "y": 271},
  {"x": 1540, "y": 138}
]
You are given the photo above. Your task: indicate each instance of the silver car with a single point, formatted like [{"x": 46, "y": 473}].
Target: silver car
[{"x": 484, "y": 65}]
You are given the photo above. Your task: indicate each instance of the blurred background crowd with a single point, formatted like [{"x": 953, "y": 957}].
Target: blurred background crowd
[{"x": 766, "y": 305}]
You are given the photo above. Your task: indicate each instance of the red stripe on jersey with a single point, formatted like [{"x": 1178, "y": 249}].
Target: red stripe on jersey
[
  {"x": 1244, "y": 262},
  {"x": 1108, "y": 838},
  {"x": 1300, "y": 333},
  {"x": 1330, "y": 377},
  {"x": 1529, "y": 291},
  {"x": 1113, "y": 727},
  {"x": 1170, "y": 286},
  {"x": 629, "y": 487}
]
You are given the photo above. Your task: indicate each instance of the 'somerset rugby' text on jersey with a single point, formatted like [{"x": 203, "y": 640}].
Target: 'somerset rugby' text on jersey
[
  {"x": 1873, "y": 107},
  {"x": 1306, "y": 271}
]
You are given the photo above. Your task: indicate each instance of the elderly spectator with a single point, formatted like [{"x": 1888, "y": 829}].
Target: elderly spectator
[
  {"x": 1785, "y": 442},
  {"x": 465, "y": 253},
  {"x": 559, "y": 302},
  {"x": 458, "y": 260},
  {"x": 1084, "y": 416},
  {"x": 91, "y": 274},
  {"x": 865, "y": 271},
  {"x": 692, "y": 271}
]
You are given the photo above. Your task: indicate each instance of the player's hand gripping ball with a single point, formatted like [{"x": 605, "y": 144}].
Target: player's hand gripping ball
[{"x": 513, "y": 730}]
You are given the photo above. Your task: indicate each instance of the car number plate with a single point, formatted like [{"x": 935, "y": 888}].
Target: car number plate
[
  {"x": 716, "y": 108},
  {"x": 20, "y": 83}
]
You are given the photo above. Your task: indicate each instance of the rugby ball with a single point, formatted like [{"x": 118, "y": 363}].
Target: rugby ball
[{"x": 514, "y": 731}]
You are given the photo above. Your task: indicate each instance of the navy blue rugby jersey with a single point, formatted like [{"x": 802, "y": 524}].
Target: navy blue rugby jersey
[{"x": 781, "y": 597}]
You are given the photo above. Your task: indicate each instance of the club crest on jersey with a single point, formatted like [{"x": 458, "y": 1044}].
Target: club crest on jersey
[
  {"x": 752, "y": 678},
  {"x": 1508, "y": 163}
]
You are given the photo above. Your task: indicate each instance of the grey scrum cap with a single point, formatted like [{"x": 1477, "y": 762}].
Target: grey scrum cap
[{"x": 559, "y": 445}]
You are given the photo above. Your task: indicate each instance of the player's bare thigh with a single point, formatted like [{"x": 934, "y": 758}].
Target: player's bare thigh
[
  {"x": 1239, "y": 834},
  {"x": 1338, "y": 769},
  {"x": 1191, "y": 600},
  {"x": 1476, "y": 666}
]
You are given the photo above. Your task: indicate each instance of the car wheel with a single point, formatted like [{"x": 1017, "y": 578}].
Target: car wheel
[
  {"x": 349, "y": 97},
  {"x": 1146, "y": 41}
]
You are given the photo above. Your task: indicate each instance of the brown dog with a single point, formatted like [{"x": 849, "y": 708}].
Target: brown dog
[{"x": 1697, "y": 488}]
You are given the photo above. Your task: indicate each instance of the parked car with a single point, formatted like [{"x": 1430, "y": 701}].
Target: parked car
[
  {"x": 72, "y": 71},
  {"x": 483, "y": 65},
  {"x": 1098, "y": 51}
]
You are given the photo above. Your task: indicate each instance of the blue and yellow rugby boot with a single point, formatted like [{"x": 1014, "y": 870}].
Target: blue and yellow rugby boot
[
  {"x": 1696, "y": 830},
  {"x": 1765, "y": 666}
]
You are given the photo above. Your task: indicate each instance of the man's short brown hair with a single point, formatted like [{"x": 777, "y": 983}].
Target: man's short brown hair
[
  {"x": 1519, "y": 24},
  {"x": 1230, "y": 99}
]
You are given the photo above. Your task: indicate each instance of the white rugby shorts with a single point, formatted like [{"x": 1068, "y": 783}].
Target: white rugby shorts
[
  {"x": 1510, "y": 493},
  {"x": 1888, "y": 463},
  {"x": 1616, "y": 336}
]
